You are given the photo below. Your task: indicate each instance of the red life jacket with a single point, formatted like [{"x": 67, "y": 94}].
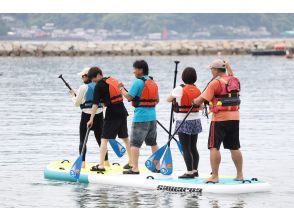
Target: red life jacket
[
  {"x": 228, "y": 98},
  {"x": 114, "y": 93},
  {"x": 190, "y": 92},
  {"x": 149, "y": 96}
]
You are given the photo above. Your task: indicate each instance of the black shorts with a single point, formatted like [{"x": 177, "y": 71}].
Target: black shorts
[
  {"x": 115, "y": 127},
  {"x": 226, "y": 132}
]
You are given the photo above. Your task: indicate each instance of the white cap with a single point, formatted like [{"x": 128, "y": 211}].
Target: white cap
[
  {"x": 84, "y": 71},
  {"x": 218, "y": 64}
]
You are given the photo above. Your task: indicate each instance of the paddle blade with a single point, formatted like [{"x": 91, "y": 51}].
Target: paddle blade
[
  {"x": 180, "y": 146},
  {"x": 166, "y": 167},
  {"x": 117, "y": 147},
  {"x": 75, "y": 170},
  {"x": 154, "y": 159}
]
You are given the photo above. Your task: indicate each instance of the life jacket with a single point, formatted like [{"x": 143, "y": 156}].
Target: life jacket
[
  {"x": 115, "y": 94},
  {"x": 149, "y": 96},
  {"x": 89, "y": 96},
  {"x": 190, "y": 92},
  {"x": 228, "y": 98}
]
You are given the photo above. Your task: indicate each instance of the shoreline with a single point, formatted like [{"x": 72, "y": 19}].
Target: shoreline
[{"x": 136, "y": 48}]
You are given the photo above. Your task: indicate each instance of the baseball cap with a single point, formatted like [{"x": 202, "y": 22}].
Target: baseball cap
[
  {"x": 84, "y": 71},
  {"x": 218, "y": 63}
]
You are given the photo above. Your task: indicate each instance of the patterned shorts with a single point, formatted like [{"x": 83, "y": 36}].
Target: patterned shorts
[{"x": 189, "y": 127}]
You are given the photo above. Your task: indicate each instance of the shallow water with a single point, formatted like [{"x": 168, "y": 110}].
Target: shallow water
[{"x": 39, "y": 124}]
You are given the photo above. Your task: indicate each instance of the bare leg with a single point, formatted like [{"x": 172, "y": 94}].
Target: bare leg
[
  {"x": 103, "y": 151},
  {"x": 153, "y": 149},
  {"x": 83, "y": 164},
  {"x": 135, "y": 152},
  {"x": 215, "y": 159},
  {"x": 238, "y": 161},
  {"x": 127, "y": 143}
]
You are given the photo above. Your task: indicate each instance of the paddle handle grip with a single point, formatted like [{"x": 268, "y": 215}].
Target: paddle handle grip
[{"x": 66, "y": 84}]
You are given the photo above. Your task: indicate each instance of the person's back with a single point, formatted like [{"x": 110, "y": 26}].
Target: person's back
[
  {"x": 182, "y": 97},
  {"x": 114, "y": 110},
  {"x": 222, "y": 94}
]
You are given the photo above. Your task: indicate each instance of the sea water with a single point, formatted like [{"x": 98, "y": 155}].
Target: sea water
[{"x": 39, "y": 124}]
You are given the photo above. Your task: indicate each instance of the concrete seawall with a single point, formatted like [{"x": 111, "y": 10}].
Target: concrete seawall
[{"x": 136, "y": 48}]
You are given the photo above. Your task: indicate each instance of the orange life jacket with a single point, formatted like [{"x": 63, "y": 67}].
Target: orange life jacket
[
  {"x": 190, "y": 92},
  {"x": 149, "y": 96},
  {"x": 114, "y": 93},
  {"x": 228, "y": 98}
]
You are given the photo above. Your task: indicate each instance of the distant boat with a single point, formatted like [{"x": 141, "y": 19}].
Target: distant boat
[{"x": 278, "y": 50}]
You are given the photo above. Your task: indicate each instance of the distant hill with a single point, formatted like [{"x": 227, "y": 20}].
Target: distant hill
[{"x": 147, "y": 23}]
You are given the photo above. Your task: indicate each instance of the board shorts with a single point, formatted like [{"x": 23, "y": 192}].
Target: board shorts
[
  {"x": 226, "y": 132},
  {"x": 144, "y": 131},
  {"x": 116, "y": 127}
]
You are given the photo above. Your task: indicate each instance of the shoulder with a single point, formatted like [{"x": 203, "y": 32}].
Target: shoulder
[
  {"x": 177, "y": 91},
  {"x": 83, "y": 87},
  {"x": 138, "y": 83}
]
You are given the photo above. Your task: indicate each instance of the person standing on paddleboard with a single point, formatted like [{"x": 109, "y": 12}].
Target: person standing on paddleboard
[
  {"x": 144, "y": 97},
  {"x": 106, "y": 92},
  {"x": 222, "y": 95},
  {"x": 182, "y": 97},
  {"x": 83, "y": 98}
]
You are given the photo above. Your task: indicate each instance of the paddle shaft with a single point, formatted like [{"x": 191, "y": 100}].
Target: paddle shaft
[
  {"x": 66, "y": 84},
  {"x": 161, "y": 125},
  {"x": 188, "y": 113},
  {"x": 171, "y": 111},
  {"x": 85, "y": 141}
]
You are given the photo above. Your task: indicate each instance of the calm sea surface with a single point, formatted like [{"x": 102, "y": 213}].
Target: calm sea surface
[{"x": 39, "y": 124}]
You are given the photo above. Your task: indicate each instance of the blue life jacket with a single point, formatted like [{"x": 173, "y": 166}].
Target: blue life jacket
[{"x": 89, "y": 96}]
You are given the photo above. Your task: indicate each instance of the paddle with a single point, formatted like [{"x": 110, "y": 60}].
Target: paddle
[
  {"x": 180, "y": 147},
  {"x": 66, "y": 84},
  {"x": 154, "y": 159},
  {"x": 166, "y": 167},
  {"x": 172, "y": 111},
  {"x": 116, "y": 146},
  {"x": 75, "y": 170}
]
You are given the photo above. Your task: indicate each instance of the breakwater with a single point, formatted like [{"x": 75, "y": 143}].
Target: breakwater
[{"x": 136, "y": 48}]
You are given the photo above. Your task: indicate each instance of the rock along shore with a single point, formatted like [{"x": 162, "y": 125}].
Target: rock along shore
[{"x": 136, "y": 48}]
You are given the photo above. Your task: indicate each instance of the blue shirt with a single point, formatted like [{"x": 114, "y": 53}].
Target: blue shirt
[{"x": 141, "y": 114}]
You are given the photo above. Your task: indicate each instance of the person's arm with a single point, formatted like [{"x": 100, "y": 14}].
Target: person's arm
[
  {"x": 177, "y": 92},
  {"x": 199, "y": 101},
  {"x": 229, "y": 69},
  {"x": 93, "y": 113},
  {"x": 126, "y": 94},
  {"x": 78, "y": 99},
  {"x": 207, "y": 95},
  {"x": 130, "y": 95},
  {"x": 170, "y": 98}
]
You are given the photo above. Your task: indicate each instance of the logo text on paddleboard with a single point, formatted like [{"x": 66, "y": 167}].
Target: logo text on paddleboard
[{"x": 178, "y": 189}]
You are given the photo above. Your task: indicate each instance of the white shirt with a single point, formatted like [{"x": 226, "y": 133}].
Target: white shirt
[
  {"x": 177, "y": 93},
  {"x": 81, "y": 98}
]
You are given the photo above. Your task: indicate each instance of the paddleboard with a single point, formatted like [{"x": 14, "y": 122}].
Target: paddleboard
[{"x": 60, "y": 170}]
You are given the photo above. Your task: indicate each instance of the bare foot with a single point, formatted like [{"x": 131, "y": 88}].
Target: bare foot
[
  {"x": 83, "y": 165},
  {"x": 213, "y": 179}
]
